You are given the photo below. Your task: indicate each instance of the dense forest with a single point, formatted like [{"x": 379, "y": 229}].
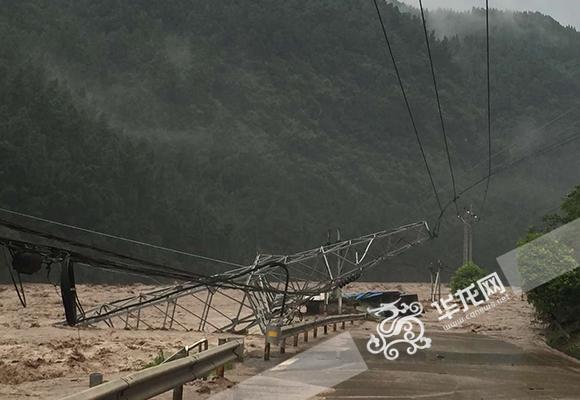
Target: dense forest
[{"x": 228, "y": 128}]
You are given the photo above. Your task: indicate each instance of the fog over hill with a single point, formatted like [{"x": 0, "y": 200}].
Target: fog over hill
[
  {"x": 567, "y": 12},
  {"x": 227, "y": 128}
]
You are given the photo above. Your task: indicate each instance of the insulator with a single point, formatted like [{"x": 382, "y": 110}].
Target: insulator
[{"x": 27, "y": 263}]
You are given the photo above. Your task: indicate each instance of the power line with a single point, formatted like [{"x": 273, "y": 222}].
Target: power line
[
  {"x": 508, "y": 165},
  {"x": 446, "y": 142},
  {"x": 411, "y": 117},
  {"x": 488, "y": 106},
  {"x": 108, "y": 236},
  {"x": 536, "y": 130},
  {"x": 540, "y": 152},
  {"x": 518, "y": 144},
  {"x": 141, "y": 266},
  {"x": 145, "y": 267}
]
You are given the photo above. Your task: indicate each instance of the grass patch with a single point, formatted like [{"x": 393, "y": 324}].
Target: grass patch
[
  {"x": 159, "y": 358},
  {"x": 566, "y": 343}
]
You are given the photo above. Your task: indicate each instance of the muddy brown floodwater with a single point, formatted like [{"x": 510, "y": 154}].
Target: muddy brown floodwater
[{"x": 39, "y": 360}]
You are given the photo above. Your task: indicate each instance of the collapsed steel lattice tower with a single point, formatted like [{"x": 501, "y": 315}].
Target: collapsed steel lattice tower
[
  {"x": 272, "y": 288},
  {"x": 259, "y": 300}
]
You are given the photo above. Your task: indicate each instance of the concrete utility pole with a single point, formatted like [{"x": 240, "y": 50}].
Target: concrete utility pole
[
  {"x": 469, "y": 218},
  {"x": 435, "y": 272}
]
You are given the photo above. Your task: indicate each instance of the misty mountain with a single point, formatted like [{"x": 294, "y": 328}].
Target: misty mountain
[{"x": 227, "y": 128}]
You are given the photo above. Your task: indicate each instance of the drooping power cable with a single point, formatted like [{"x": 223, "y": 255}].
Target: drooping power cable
[
  {"x": 441, "y": 120},
  {"x": 488, "y": 107},
  {"x": 408, "y": 106}
]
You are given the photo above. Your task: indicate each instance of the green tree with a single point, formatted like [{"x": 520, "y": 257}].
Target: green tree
[
  {"x": 571, "y": 205},
  {"x": 466, "y": 275},
  {"x": 550, "y": 268}
]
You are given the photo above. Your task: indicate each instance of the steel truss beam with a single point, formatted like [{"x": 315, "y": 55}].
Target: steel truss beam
[{"x": 258, "y": 300}]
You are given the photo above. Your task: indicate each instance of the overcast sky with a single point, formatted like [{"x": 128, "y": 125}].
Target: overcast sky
[{"x": 567, "y": 12}]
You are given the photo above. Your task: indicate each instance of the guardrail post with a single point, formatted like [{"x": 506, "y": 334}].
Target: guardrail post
[
  {"x": 95, "y": 378},
  {"x": 178, "y": 393},
  {"x": 315, "y": 333},
  {"x": 295, "y": 340},
  {"x": 267, "y": 351},
  {"x": 334, "y": 327},
  {"x": 352, "y": 321},
  {"x": 343, "y": 326},
  {"x": 305, "y": 336},
  {"x": 220, "y": 371},
  {"x": 325, "y": 329},
  {"x": 240, "y": 350},
  {"x": 283, "y": 346}
]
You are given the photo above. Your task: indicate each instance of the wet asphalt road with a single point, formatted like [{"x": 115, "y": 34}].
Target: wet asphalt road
[{"x": 463, "y": 366}]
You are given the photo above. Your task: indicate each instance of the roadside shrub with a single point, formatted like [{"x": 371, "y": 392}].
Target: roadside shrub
[
  {"x": 555, "y": 299},
  {"x": 466, "y": 275},
  {"x": 559, "y": 299}
]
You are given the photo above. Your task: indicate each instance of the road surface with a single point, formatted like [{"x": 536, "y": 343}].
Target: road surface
[{"x": 463, "y": 366}]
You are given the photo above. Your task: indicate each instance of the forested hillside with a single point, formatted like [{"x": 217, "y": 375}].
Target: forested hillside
[{"x": 226, "y": 128}]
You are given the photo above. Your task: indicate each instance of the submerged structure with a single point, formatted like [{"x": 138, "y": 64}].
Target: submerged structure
[{"x": 272, "y": 289}]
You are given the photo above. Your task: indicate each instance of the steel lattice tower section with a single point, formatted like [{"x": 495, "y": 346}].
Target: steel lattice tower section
[
  {"x": 273, "y": 288},
  {"x": 259, "y": 298}
]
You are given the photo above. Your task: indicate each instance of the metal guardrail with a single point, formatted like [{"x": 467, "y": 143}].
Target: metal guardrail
[
  {"x": 200, "y": 345},
  {"x": 278, "y": 336},
  {"x": 153, "y": 381}
]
